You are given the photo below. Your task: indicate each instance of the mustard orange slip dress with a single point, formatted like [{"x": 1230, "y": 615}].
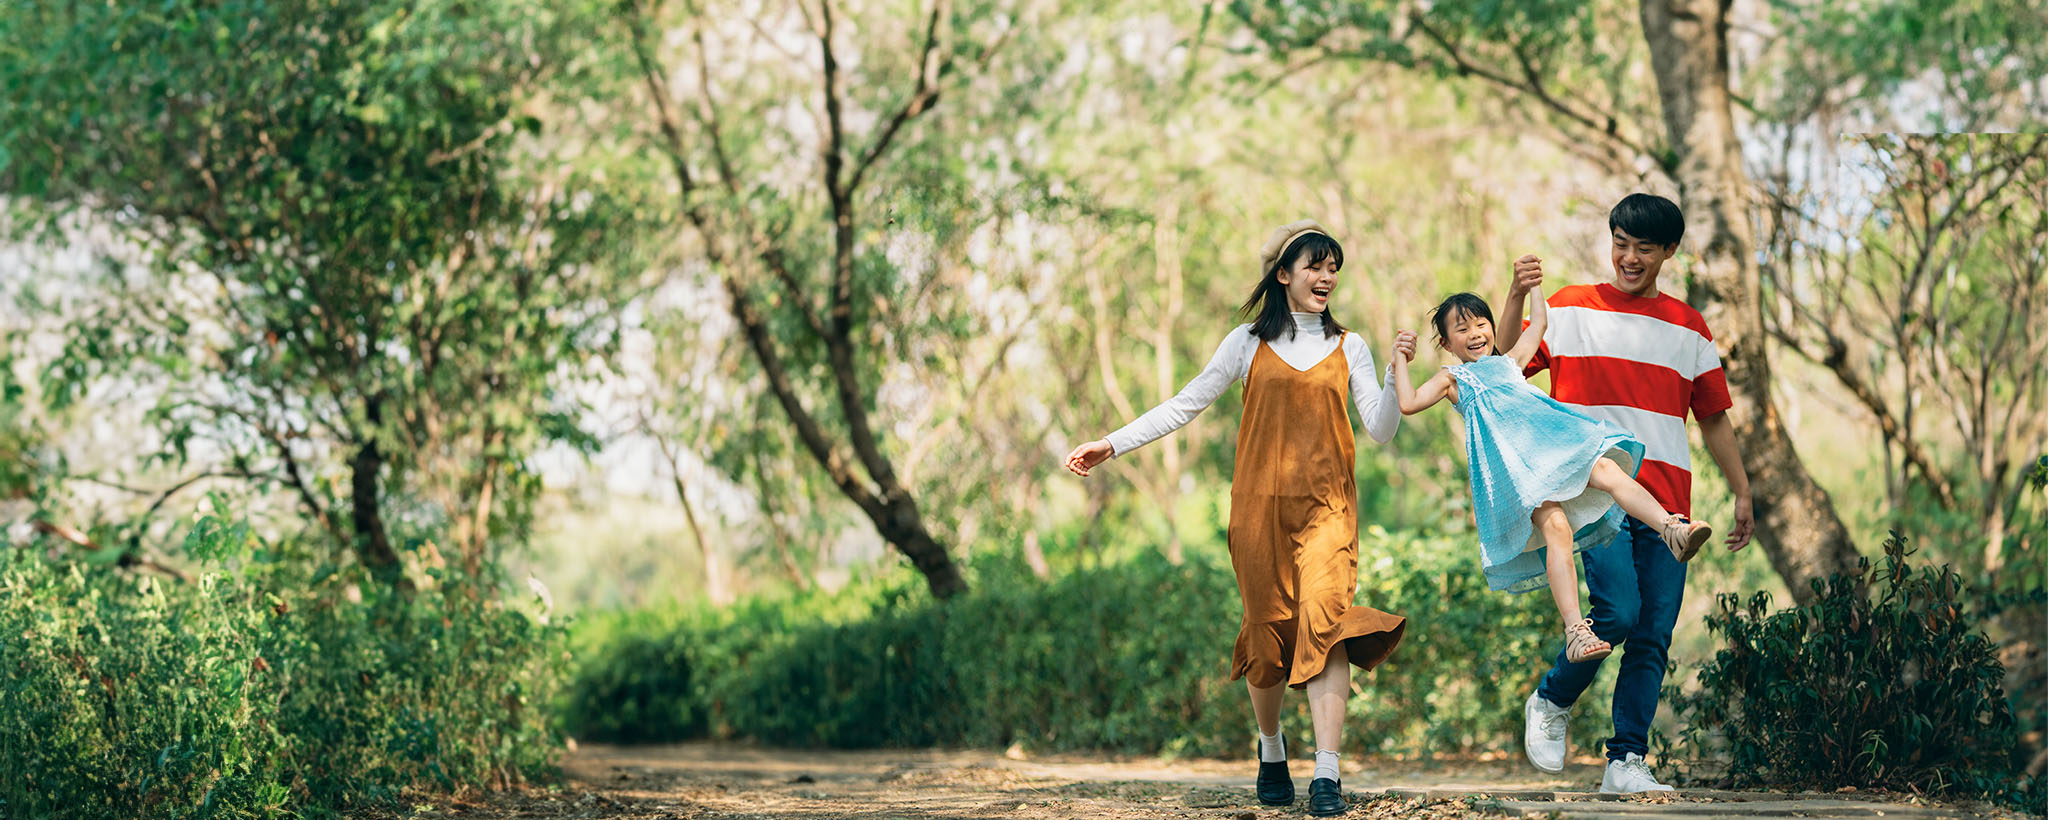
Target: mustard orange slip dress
[{"x": 1294, "y": 526}]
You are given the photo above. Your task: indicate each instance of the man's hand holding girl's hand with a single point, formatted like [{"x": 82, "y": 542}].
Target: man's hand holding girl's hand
[{"x": 1528, "y": 274}]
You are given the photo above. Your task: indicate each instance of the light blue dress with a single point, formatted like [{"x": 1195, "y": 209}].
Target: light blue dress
[{"x": 1526, "y": 448}]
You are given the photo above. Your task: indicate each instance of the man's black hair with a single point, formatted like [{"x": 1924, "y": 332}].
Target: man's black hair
[{"x": 1648, "y": 216}]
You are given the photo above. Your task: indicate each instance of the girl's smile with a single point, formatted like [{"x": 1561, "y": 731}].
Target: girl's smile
[{"x": 1468, "y": 337}]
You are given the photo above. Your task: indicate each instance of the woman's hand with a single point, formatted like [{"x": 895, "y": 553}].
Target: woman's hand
[{"x": 1088, "y": 455}]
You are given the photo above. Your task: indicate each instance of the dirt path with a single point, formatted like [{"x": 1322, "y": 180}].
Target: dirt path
[{"x": 736, "y": 782}]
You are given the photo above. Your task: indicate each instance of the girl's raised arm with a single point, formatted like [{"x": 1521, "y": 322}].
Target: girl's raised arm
[
  {"x": 1413, "y": 400},
  {"x": 1532, "y": 336}
]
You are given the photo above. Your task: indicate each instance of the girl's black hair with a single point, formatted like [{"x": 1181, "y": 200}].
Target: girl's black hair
[
  {"x": 1459, "y": 304},
  {"x": 1269, "y": 300}
]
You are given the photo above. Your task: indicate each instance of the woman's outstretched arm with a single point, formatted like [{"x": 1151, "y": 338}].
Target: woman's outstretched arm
[
  {"x": 1229, "y": 364},
  {"x": 1378, "y": 407}
]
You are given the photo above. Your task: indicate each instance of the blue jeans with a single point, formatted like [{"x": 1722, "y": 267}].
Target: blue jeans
[{"x": 1636, "y": 587}]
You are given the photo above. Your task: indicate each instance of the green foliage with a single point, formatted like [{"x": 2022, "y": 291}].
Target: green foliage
[
  {"x": 22, "y": 450},
  {"x": 334, "y": 240},
  {"x": 1903, "y": 691},
  {"x": 1869, "y": 52},
  {"x": 1131, "y": 656},
  {"x": 261, "y": 690}
]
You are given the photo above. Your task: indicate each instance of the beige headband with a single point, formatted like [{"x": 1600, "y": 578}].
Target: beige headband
[{"x": 1283, "y": 236}]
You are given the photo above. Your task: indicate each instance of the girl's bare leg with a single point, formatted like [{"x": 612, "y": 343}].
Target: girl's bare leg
[
  {"x": 1609, "y": 478},
  {"x": 1580, "y": 642},
  {"x": 1557, "y": 560}
]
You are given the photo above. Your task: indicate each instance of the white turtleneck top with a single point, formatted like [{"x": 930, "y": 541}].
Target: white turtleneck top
[{"x": 1232, "y": 363}]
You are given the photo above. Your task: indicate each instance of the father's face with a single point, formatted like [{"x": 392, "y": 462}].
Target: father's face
[{"x": 1636, "y": 262}]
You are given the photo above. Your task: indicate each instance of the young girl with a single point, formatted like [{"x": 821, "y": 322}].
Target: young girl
[
  {"x": 1543, "y": 475},
  {"x": 1293, "y": 502}
]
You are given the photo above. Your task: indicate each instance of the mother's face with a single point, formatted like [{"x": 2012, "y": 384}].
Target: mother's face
[{"x": 1309, "y": 284}]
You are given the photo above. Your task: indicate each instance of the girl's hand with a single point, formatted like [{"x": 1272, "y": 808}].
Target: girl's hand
[
  {"x": 1404, "y": 345},
  {"x": 1528, "y": 274},
  {"x": 1088, "y": 455}
]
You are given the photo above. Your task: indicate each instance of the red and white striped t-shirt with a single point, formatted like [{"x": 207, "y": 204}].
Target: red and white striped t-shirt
[{"x": 1641, "y": 362}]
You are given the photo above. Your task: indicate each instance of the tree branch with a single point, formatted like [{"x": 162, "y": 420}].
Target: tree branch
[
  {"x": 922, "y": 96},
  {"x": 769, "y": 253},
  {"x": 128, "y": 559},
  {"x": 835, "y": 132},
  {"x": 743, "y": 308},
  {"x": 1836, "y": 360},
  {"x": 839, "y": 335},
  {"x": 807, "y": 428},
  {"x": 1532, "y": 84}
]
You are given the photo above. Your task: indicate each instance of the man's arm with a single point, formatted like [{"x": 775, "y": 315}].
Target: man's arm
[
  {"x": 1719, "y": 434},
  {"x": 1508, "y": 331}
]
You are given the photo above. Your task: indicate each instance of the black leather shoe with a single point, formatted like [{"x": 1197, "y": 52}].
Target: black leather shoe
[
  {"x": 1276, "y": 787},
  {"x": 1326, "y": 798}
]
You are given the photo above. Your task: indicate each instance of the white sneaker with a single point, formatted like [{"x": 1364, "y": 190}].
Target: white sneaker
[
  {"x": 1543, "y": 733},
  {"x": 1630, "y": 776}
]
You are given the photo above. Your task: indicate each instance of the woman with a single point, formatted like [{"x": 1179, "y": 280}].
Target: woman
[{"x": 1293, "y": 501}]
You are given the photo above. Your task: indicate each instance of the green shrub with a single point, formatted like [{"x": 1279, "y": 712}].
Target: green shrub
[
  {"x": 258, "y": 692},
  {"x": 645, "y": 691},
  {"x": 1884, "y": 680},
  {"x": 1130, "y": 656}
]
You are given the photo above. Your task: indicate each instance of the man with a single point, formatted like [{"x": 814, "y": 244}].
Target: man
[{"x": 1624, "y": 352}]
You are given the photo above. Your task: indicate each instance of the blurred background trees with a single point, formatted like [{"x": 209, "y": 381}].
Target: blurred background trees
[{"x": 775, "y": 318}]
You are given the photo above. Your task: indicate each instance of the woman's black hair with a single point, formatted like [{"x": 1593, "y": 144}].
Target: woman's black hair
[
  {"x": 1459, "y": 304},
  {"x": 1269, "y": 300}
]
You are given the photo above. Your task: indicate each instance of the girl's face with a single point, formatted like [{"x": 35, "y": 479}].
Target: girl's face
[
  {"x": 1468, "y": 337},
  {"x": 1309, "y": 284}
]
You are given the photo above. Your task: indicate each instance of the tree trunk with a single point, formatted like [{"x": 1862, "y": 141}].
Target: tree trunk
[
  {"x": 373, "y": 544},
  {"x": 714, "y": 573},
  {"x": 1796, "y": 522},
  {"x": 883, "y": 499},
  {"x": 1034, "y": 555},
  {"x": 903, "y": 526},
  {"x": 1994, "y": 517},
  {"x": 1167, "y": 273},
  {"x": 785, "y": 541},
  {"x": 474, "y": 534}
]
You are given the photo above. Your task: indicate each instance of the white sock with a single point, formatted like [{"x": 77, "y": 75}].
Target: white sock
[
  {"x": 1326, "y": 764},
  {"x": 1272, "y": 748}
]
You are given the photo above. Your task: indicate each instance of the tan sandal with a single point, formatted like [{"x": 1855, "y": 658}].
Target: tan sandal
[
  {"x": 1684, "y": 536},
  {"x": 1580, "y": 644}
]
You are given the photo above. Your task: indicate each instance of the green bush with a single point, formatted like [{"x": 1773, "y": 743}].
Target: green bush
[
  {"x": 1884, "y": 680},
  {"x": 1130, "y": 656},
  {"x": 259, "y": 692}
]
